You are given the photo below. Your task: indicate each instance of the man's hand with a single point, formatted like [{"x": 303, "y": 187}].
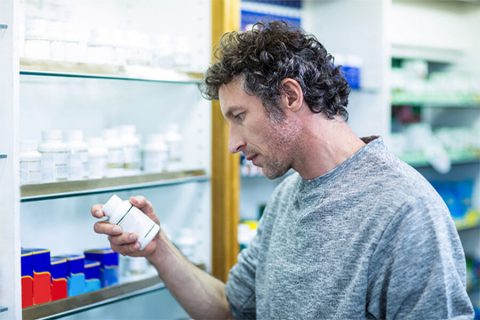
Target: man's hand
[{"x": 123, "y": 242}]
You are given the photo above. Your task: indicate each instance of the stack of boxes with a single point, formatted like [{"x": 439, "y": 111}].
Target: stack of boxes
[
  {"x": 46, "y": 279},
  {"x": 59, "y": 278},
  {"x": 76, "y": 274},
  {"x": 92, "y": 276},
  {"x": 27, "y": 279},
  {"x": 36, "y": 262},
  {"x": 108, "y": 260}
]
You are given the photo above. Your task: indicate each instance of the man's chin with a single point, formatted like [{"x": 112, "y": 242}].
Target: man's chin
[{"x": 273, "y": 174}]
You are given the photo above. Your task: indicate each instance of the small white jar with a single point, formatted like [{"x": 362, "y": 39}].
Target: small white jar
[
  {"x": 54, "y": 156},
  {"x": 30, "y": 163},
  {"x": 77, "y": 155}
]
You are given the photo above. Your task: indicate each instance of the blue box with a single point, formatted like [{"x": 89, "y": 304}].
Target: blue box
[
  {"x": 92, "y": 275},
  {"x": 59, "y": 269},
  {"x": 27, "y": 278},
  {"x": 41, "y": 274},
  {"x": 108, "y": 264},
  {"x": 75, "y": 274}
]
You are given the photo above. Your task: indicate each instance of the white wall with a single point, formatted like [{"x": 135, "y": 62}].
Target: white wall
[
  {"x": 435, "y": 24},
  {"x": 358, "y": 27}
]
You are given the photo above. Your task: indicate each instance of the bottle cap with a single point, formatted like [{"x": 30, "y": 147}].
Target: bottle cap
[
  {"x": 28, "y": 145},
  {"x": 111, "y": 205},
  {"x": 127, "y": 129},
  {"x": 73, "y": 135},
  {"x": 48, "y": 135}
]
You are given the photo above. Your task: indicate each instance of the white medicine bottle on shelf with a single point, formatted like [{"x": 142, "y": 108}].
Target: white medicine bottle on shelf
[
  {"x": 173, "y": 138},
  {"x": 30, "y": 163},
  {"x": 97, "y": 158},
  {"x": 77, "y": 155},
  {"x": 131, "y": 149},
  {"x": 114, "y": 153},
  {"x": 54, "y": 156},
  {"x": 131, "y": 219},
  {"x": 155, "y": 154},
  {"x": 187, "y": 243}
]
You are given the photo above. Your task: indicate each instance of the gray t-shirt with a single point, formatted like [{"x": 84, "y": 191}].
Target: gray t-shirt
[{"x": 369, "y": 239}]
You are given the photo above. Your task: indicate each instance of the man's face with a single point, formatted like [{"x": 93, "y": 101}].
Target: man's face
[{"x": 268, "y": 142}]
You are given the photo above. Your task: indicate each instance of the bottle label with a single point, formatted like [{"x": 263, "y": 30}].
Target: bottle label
[
  {"x": 78, "y": 163},
  {"x": 131, "y": 157},
  {"x": 155, "y": 161},
  {"x": 133, "y": 220},
  {"x": 54, "y": 166},
  {"x": 96, "y": 167},
  {"x": 30, "y": 172},
  {"x": 115, "y": 158}
]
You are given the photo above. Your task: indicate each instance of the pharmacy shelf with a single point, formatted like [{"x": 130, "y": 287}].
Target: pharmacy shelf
[
  {"x": 53, "y": 190},
  {"x": 436, "y": 104},
  {"x": 93, "y": 299},
  {"x": 418, "y": 160},
  {"x": 110, "y": 72}
]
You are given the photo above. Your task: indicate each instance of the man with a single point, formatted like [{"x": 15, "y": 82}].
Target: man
[{"x": 354, "y": 233}]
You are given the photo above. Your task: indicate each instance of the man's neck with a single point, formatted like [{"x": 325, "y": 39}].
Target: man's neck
[{"x": 325, "y": 144}]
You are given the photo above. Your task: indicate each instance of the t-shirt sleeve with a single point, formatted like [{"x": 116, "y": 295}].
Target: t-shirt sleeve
[
  {"x": 418, "y": 268},
  {"x": 240, "y": 287}
]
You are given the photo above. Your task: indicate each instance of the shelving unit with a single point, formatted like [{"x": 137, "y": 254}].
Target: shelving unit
[
  {"x": 400, "y": 102},
  {"x": 42, "y": 93},
  {"x": 108, "y": 72},
  {"x": 94, "y": 299},
  {"x": 63, "y": 189},
  {"x": 419, "y": 160}
]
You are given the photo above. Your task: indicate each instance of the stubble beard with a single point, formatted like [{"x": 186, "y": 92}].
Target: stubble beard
[{"x": 282, "y": 141}]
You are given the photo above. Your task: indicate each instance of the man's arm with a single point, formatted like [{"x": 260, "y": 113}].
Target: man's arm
[{"x": 200, "y": 294}]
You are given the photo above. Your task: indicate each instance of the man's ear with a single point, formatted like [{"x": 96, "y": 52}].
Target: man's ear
[{"x": 292, "y": 94}]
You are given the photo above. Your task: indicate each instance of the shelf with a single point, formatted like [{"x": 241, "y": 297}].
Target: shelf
[
  {"x": 434, "y": 54},
  {"x": 442, "y": 103},
  {"x": 110, "y": 72},
  {"x": 419, "y": 160},
  {"x": 63, "y": 189},
  {"x": 93, "y": 299}
]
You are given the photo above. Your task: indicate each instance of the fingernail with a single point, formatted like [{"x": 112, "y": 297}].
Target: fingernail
[
  {"x": 117, "y": 229},
  {"x": 137, "y": 246},
  {"x": 133, "y": 237},
  {"x": 99, "y": 213}
]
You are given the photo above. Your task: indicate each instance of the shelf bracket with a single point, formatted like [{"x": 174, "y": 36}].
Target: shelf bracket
[
  {"x": 3, "y": 26},
  {"x": 3, "y": 309},
  {"x": 3, "y": 155}
]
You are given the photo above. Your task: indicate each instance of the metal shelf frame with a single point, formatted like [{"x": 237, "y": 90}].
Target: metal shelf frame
[
  {"x": 54, "y": 190},
  {"x": 93, "y": 299}
]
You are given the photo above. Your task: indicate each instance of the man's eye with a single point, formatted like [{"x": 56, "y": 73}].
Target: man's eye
[{"x": 240, "y": 116}]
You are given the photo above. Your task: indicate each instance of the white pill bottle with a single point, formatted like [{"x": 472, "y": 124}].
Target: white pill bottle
[{"x": 131, "y": 219}]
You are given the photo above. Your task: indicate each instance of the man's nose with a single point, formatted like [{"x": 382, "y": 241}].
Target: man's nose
[{"x": 235, "y": 143}]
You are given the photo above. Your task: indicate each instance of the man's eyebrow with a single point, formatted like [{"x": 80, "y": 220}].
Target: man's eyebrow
[{"x": 231, "y": 110}]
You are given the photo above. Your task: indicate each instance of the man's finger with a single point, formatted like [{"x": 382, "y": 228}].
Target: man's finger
[
  {"x": 107, "y": 228},
  {"x": 141, "y": 203},
  {"x": 97, "y": 211}
]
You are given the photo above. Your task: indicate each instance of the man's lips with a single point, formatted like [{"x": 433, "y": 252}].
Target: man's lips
[{"x": 251, "y": 157}]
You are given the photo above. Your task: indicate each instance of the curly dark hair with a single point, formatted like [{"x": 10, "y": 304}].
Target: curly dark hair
[{"x": 271, "y": 52}]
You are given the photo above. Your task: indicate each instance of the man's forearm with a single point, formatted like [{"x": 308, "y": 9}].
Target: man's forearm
[{"x": 199, "y": 293}]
